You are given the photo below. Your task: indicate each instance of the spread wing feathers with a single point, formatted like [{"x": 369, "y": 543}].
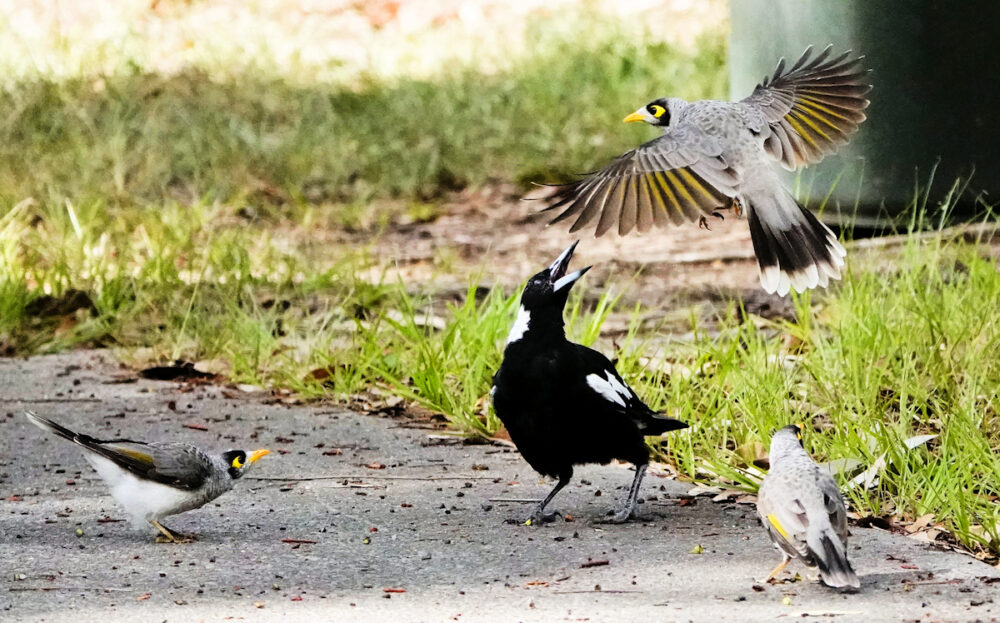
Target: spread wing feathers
[
  {"x": 812, "y": 108},
  {"x": 177, "y": 465},
  {"x": 602, "y": 379},
  {"x": 675, "y": 178}
]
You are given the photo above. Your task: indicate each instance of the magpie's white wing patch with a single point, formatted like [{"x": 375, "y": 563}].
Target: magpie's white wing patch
[
  {"x": 520, "y": 325},
  {"x": 610, "y": 388}
]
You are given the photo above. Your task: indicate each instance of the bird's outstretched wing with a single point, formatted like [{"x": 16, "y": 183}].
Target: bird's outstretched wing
[
  {"x": 812, "y": 108},
  {"x": 605, "y": 386},
  {"x": 675, "y": 178}
]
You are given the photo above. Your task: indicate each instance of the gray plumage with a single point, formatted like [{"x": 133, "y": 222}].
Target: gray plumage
[
  {"x": 803, "y": 511},
  {"x": 715, "y": 154},
  {"x": 158, "y": 479}
]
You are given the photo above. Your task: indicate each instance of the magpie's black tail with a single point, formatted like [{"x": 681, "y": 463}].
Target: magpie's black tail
[{"x": 658, "y": 424}]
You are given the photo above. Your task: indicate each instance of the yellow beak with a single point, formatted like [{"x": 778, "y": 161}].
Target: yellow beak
[
  {"x": 636, "y": 116},
  {"x": 256, "y": 454}
]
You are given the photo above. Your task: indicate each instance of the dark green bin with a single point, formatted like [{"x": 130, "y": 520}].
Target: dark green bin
[{"x": 935, "y": 101}]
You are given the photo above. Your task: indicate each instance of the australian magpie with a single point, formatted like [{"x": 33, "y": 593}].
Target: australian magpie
[{"x": 565, "y": 404}]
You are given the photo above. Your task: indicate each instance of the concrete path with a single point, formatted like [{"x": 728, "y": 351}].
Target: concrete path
[{"x": 419, "y": 540}]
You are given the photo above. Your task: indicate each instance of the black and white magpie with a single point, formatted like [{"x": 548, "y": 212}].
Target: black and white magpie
[{"x": 565, "y": 404}]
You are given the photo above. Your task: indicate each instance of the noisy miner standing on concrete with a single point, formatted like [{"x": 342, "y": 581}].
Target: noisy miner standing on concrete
[
  {"x": 565, "y": 404},
  {"x": 804, "y": 512},
  {"x": 155, "y": 480},
  {"x": 715, "y": 155}
]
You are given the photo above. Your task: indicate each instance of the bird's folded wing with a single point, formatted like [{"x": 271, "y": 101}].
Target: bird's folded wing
[
  {"x": 675, "y": 178},
  {"x": 177, "y": 465},
  {"x": 812, "y": 108},
  {"x": 786, "y": 520},
  {"x": 835, "y": 507}
]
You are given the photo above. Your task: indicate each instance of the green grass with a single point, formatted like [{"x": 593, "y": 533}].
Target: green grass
[{"x": 265, "y": 141}]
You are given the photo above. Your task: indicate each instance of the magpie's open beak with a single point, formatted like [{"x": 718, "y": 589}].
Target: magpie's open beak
[{"x": 557, "y": 270}]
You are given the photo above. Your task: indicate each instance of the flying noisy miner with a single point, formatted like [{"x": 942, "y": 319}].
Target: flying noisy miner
[
  {"x": 804, "y": 513},
  {"x": 715, "y": 155},
  {"x": 155, "y": 480}
]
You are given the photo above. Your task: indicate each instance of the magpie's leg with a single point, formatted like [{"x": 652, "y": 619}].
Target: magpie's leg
[
  {"x": 628, "y": 511},
  {"x": 169, "y": 536},
  {"x": 539, "y": 515}
]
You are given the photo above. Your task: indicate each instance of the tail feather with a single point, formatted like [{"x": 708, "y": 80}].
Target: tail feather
[
  {"x": 830, "y": 556},
  {"x": 794, "y": 249},
  {"x": 658, "y": 424},
  {"x": 48, "y": 425}
]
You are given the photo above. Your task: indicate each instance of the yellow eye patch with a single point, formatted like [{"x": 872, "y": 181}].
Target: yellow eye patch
[
  {"x": 657, "y": 111},
  {"x": 236, "y": 462}
]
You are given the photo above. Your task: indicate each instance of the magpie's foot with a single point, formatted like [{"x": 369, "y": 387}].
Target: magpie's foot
[
  {"x": 703, "y": 223},
  {"x": 621, "y": 516},
  {"x": 718, "y": 215}
]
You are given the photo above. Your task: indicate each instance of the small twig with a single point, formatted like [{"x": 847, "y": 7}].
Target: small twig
[
  {"x": 595, "y": 563},
  {"x": 21, "y": 589},
  {"x": 371, "y": 477},
  {"x": 50, "y": 399},
  {"x": 299, "y": 541},
  {"x": 968, "y": 231},
  {"x": 515, "y": 500},
  {"x": 592, "y": 591}
]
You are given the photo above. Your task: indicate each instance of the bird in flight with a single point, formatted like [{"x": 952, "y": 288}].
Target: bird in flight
[{"x": 715, "y": 155}]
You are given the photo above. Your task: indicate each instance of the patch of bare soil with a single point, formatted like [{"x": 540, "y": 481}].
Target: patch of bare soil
[{"x": 505, "y": 240}]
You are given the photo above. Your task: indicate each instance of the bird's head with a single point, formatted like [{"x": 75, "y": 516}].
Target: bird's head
[
  {"x": 786, "y": 438},
  {"x": 239, "y": 461},
  {"x": 549, "y": 288},
  {"x": 658, "y": 112}
]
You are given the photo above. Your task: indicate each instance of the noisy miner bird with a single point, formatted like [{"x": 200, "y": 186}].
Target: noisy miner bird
[
  {"x": 804, "y": 513},
  {"x": 715, "y": 155},
  {"x": 155, "y": 480},
  {"x": 562, "y": 403}
]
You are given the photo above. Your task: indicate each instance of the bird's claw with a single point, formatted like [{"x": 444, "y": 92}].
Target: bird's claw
[
  {"x": 176, "y": 539},
  {"x": 703, "y": 223}
]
